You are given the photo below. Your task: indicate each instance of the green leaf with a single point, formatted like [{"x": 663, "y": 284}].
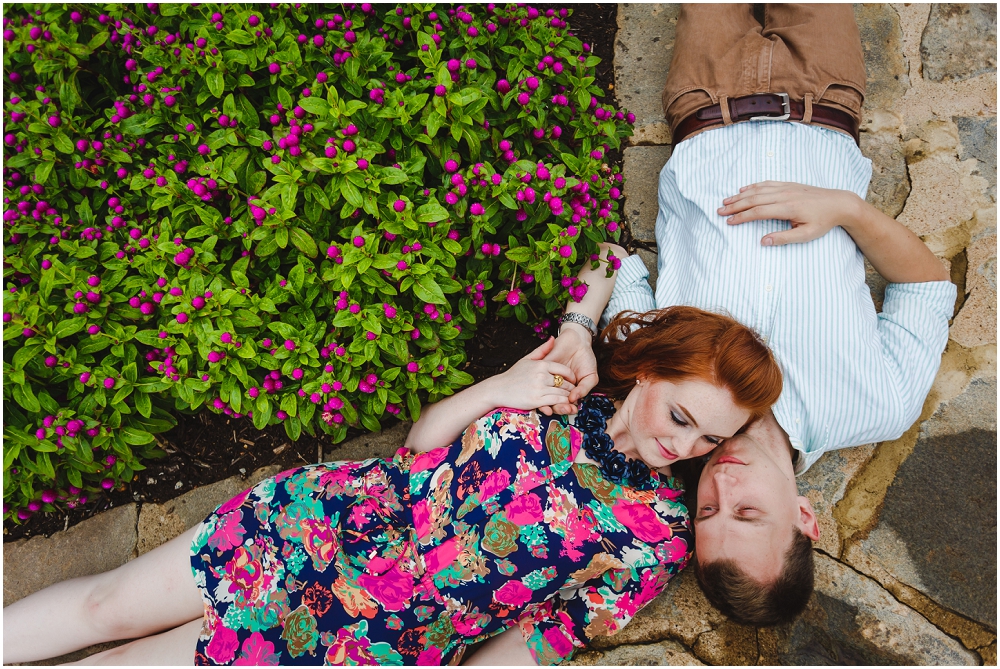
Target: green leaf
[
  {"x": 43, "y": 171},
  {"x": 431, "y": 212},
  {"x": 70, "y": 326},
  {"x": 426, "y": 289},
  {"x": 26, "y": 398},
  {"x": 143, "y": 404},
  {"x": 239, "y": 37},
  {"x": 63, "y": 143},
  {"x": 352, "y": 194},
  {"x": 135, "y": 436},
  {"x": 262, "y": 412},
  {"x": 215, "y": 81},
  {"x": 465, "y": 96},
  {"x": 304, "y": 242},
  {"x": 315, "y": 105},
  {"x": 289, "y": 404},
  {"x": 434, "y": 123}
]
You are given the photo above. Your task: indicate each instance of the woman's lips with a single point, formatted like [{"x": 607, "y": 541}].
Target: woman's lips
[
  {"x": 667, "y": 454},
  {"x": 728, "y": 459}
]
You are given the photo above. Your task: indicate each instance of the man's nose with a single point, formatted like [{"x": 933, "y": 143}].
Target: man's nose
[{"x": 724, "y": 484}]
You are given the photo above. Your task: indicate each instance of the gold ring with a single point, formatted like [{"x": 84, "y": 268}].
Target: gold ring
[{"x": 557, "y": 380}]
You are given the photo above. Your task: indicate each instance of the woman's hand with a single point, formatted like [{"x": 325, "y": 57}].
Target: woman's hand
[
  {"x": 529, "y": 383},
  {"x": 573, "y": 348},
  {"x": 812, "y": 211}
]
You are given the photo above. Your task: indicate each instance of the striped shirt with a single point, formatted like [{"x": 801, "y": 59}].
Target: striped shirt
[{"x": 851, "y": 376}]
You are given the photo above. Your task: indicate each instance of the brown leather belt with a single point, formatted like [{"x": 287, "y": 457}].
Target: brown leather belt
[{"x": 765, "y": 107}]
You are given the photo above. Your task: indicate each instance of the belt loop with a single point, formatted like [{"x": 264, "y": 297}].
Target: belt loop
[
  {"x": 724, "y": 108},
  {"x": 808, "y": 113}
]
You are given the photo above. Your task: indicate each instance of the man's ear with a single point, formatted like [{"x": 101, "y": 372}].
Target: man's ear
[{"x": 806, "y": 521}]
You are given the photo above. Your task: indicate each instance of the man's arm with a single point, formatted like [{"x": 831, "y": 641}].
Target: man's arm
[{"x": 892, "y": 249}]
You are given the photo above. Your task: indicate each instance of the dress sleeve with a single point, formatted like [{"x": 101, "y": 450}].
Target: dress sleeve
[{"x": 600, "y": 607}]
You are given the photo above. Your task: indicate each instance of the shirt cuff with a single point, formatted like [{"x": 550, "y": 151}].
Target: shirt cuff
[{"x": 632, "y": 291}]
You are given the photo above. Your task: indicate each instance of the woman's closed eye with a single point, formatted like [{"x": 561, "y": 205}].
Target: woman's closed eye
[{"x": 679, "y": 421}]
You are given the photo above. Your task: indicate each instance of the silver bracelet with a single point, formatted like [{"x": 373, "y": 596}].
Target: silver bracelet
[{"x": 579, "y": 319}]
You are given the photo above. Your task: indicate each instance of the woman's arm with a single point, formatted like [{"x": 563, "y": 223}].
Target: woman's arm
[
  {"x": 574, "y": 346},
  {"x": 505, "y": 649},
  {"x": 527, "y": 385},
  {"x": 892, "y": 249}
]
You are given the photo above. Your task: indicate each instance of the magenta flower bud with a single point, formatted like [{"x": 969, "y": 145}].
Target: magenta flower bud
[
  {"x": 350, "y": 37},
  {"x": 107, "y": 484},
  {"x": 254, "y": 20},
  {"x": 362, "y": 164},
  {"x": 197, "y": 302},
  {"x": 476, "y": 209},
  {"x": 93, "y": 329},
  {"x": 349, "y": 145},
  {"x": 454, "y": 65},
  {"x": 182, "y": 318},
  {"x": 55, "y": 121},
  {"x": 84, "y": 378},
  {"x": 214, "y": 356},
  {"x": 109, "y": 383},
  {"x": 358, "y": 241},
  {"x": 523, "y": 99},
  {"x": 253, "y": 392},
  {"x": 289, "y": 345},
  {"x": 274, "y": 68},
  {"x": 399, "y": 205},
  {"x": 440, "y": 90},
  {"x": 40, "y": 433},
  {"x": 470, "y": 63}
]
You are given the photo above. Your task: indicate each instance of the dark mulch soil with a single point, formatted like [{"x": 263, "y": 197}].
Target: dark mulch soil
[{"x": 208, "y": 447}]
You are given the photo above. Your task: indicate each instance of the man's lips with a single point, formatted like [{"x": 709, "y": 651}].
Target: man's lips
[
  {"x": 667, "y": 454},
  {"x": 728, "y": 459}
]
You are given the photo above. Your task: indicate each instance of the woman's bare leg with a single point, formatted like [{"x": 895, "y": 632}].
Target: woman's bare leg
[
  {"x": 152, "y": 593},
  {"x": 174, "y": 648}
]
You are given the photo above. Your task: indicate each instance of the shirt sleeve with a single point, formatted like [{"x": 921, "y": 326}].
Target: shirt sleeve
[
  {"x": 631, "y": 292},
  {"x": 913, "y": 328}
]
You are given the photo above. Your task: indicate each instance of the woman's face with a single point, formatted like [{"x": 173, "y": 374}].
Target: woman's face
[{"x": 669, "y": 421}]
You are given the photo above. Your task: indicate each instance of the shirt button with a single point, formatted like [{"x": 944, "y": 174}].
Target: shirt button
[
  {"x": 770, "y": 154},
  {"x": 796, "y": 421},
  {"x": 768, "y": 288}
]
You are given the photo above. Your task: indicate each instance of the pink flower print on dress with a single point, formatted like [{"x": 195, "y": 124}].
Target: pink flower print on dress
[
  {"x": 234, "y": 503},
  {"x": 429, "y": 460},
  {"x": 559, "y": 642},
  {"x": 525, "y": 510},
  {"x": 494, "y": 483},
  {"x": 257, "y": 652},
  {"x": 422, "y": 519},
  {"x": 393, "y": 589},
  {"x": 223, "y": 646},
  {"x": 320, "y": 542},
  {"x": 350, "y": 650},
  {"x": 429, "y": 657},
  {"x": 513, "y": 593},
  {"x": 642, "y": 520},
  {"x": 228, "y": 532},
  {"x": 442, "y": 556}
]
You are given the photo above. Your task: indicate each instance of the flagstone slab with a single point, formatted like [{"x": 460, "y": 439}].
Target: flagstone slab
[
  {"x": 642, "y": 181},
  {"x": 93, "y": 546},
  {"x": 937, "y": 528},
  {"x": 959, "y": 41},
  {"x": 852, "y": 620},
  {"x": 643, "y": 49},
  {"x": 663, "y": 654}
]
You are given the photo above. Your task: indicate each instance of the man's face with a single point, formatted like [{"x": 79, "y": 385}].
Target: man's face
[{"x": 748, "y": 502}]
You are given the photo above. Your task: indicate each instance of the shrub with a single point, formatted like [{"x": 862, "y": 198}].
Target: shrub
[{"x": 286, "y": 212}]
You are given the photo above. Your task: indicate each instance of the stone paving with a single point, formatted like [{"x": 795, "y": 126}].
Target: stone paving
[{"x": 906, "y": 567}]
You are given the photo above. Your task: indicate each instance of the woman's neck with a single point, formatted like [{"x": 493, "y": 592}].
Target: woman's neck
[{"x": 618, "y": 428}]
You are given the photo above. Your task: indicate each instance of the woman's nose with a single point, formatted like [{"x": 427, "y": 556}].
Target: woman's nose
[{"x": 684, "y": 446}]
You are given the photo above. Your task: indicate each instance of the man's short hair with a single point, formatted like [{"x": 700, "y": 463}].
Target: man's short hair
[{"x": 750, "y": 602}]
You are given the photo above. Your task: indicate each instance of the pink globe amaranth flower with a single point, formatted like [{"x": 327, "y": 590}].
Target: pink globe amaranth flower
[
  {"x": 454, "y": 65},
  {"x": 401, "y": 265},
  {"x": 93, "y": 329},
  {"x": 289, "y": 345},
  {"x": 350, "y": 37},
  {"x": 215, "y": 356},
  {"x": 566, "y": 250},
  {"x": 85, "y": 377},
  {"x": 523, "y": 99},
  {"x": 362, "y": 164},
  {"x": 254, "y": 20},
  {"x": 476, "y": 209},
  {"x": 358, "y": 241},
  {"x": 274, "y": 68},
  {"x": 109, "y": 383},
  {"x": 399, "y": 205},
  {"x": 107, "y": 484},
  {"x": 182, "y": 318},
  {"x": 253, "y": 392}
]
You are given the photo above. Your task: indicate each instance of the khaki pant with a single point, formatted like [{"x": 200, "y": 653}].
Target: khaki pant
[{"x": 810, "y": 51}]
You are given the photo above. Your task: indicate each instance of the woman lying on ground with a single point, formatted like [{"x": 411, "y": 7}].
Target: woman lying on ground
[{"x": 556, "y": 528}]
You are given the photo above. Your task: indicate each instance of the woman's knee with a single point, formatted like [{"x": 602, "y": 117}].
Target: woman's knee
[{"x": 106, "y": 608}]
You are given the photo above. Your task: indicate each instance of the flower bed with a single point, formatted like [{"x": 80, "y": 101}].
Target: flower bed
[{"x": 281, "y": 212}]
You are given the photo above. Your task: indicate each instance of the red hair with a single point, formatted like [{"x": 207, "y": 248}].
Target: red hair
[{"x": 680, "y": 343}]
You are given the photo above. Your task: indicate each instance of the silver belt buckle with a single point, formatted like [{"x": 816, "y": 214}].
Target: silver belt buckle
[{"x": 784, "y": 105}]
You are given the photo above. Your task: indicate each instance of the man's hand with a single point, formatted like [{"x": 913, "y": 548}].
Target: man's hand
[
  {"x": 573, "y": 349},
  {"x": 812, "y": 211}
]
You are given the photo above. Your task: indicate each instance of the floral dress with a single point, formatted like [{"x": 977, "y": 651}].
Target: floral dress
[{"x": 411, "y": 560}]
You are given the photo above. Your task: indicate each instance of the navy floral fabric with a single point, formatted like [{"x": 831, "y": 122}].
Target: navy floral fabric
[{"x": 410, "y": 560}]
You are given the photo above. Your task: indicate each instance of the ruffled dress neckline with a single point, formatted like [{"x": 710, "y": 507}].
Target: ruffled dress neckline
[{"x": 592, "y": 421}]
